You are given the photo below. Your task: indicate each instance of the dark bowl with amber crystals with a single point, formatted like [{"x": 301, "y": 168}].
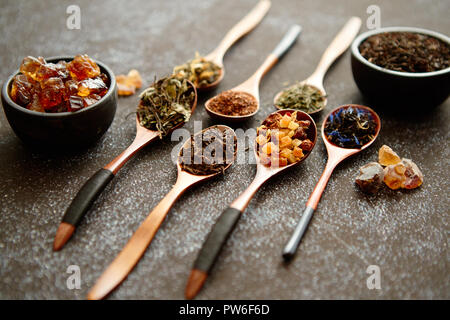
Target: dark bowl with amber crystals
[
  {"x": 395, "y": 89},
  {"x": 63, "y": 129}
]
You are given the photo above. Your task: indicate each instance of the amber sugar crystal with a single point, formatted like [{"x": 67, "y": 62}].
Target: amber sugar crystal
[
  {"x": 58, "y": 87},
  {"x": 82, "y": 67}
]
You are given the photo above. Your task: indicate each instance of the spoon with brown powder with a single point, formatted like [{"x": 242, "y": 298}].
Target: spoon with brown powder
[
  {"x": 310, "y": 95},
  {"x": 242, "y": 102}
]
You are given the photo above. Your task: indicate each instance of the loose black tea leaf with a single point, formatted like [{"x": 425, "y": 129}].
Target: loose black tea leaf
[
  {"x": 301, "y": 97},
  {"x": 406, "y": 52},
  {"x": 350, "y": 127},
  {"x": 209, "y": 152},
  {"x": 165, "y": 104},
  {"x": 199, "y": 71}
]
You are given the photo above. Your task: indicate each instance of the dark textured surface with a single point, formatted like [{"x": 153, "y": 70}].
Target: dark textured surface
[{"x": 404, "y": 233}]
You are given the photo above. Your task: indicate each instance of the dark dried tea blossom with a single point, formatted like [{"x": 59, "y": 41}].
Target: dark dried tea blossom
[
  {"x": 406, "y": 52},
  {"x": 350, "y": 127},
  {"x": 301, "y": 97},
  {"x": 199, "y": 71},
  {"x": 166, "y": 104},
  {"x": 209, "y": 152}
]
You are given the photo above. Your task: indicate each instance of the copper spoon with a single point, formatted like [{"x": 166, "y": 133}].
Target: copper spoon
[
  {"x": 247, "y": 24},
  {"x": 97, "y": 183},
  {"x": 229, "y": 218},
  {"x": 335, "y": 156},
  {"x": 251, "y": 85},
  {"x": 337, "y": 47},
  {"x": 125, "y": 261}
]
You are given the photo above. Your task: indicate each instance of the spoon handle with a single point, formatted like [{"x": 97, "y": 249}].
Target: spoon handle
[
  {"x": 287, "y": 41},
  {"x": 291, "y": 247},
  {"x": 90, "y": 191},
  {"x": 338, "y": 46},
  {"x": 247, "y": 24},
  {"x": 217, "y": 238},
  {"x": 252, "y": 83},
  {"x": 125, "y": 261}
]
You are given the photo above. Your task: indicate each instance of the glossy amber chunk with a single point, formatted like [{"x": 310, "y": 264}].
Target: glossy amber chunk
[
  {"x": 52, "y": 92},
  {"x": 30, "y": 66},
  {"x": 58, "y": 87},
  {"x": 82, "y": 67},
  {"x": 387, "y": 156},
  {"x": 127, "y": 84},
  {"x": 22, "y": 90}
]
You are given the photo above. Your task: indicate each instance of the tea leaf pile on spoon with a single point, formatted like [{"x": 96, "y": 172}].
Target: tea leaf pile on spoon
[{"x": 165, "y": 104}]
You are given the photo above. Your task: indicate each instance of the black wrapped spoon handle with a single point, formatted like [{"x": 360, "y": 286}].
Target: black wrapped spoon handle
[
  {"x": 82, "y": 202},
  {"x": 86, "y": 196},
  {"x": 211, "y": 249},
  {"x": 216, "y": 239}
]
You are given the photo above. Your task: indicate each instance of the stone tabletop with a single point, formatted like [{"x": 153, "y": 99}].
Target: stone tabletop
[{"x": 404, "y": 233}]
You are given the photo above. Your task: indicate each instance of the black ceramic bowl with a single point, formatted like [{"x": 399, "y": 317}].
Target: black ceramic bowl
[
  {"x": 64, "y": 129},
  {"x": 399, "y": 89}
]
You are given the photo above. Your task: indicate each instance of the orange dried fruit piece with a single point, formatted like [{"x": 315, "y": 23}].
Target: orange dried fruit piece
[
  {"x": 127, "y": 84},
  {"x": 83, "y": 67},
  {"x": 387, "y": 156}
]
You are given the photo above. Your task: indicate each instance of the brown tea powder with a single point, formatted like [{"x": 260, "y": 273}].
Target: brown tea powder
[{"x": 233, "y": 103}]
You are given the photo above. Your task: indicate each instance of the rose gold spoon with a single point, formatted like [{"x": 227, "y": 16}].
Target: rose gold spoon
[
  {"x": 337, "y": 47},
  {"x": 247, "y": 24},
  {"x": 97, "y": 183},
  {"x": 122, "y": 265},
  {"x": 229, "y": 218},
  {"x": 335, "y": 156},
  {"x": 251, "y": 85}
]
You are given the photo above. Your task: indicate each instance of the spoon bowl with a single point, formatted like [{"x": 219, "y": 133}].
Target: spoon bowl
[
  {"x": 318, "y": 86},
  {"x": 336, "y": 155},
  {"x": 130, "y": 255},
  {"x": 243, "y": 27},
  {"x": 98, "y": 182},
  {"x": 337, "y": 47},
  {"x": 227, "y": 221},
  {"x": 251, "y": 85}
]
